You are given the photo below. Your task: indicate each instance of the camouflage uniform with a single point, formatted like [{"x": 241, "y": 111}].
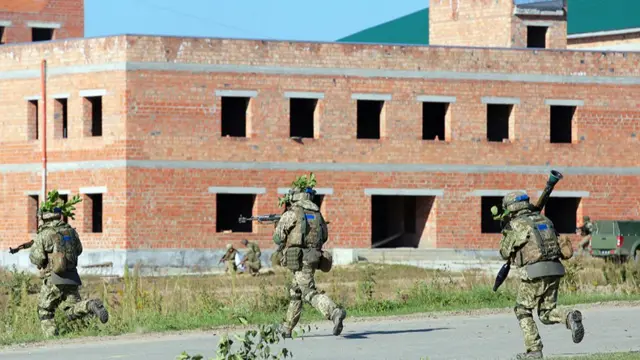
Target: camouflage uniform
[
  {"x": 56, "y": 239},
  {"x": 530, "y": 242},
  {"x": 303, "y": 258},
  {"x": 586, "y": 230},
  {"x": 252, "y": 258},
  {"x": 229, "y": 259}
]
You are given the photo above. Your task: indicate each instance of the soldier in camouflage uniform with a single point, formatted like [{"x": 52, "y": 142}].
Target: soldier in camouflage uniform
[
  {"x": 55, "y": 252},
  {"x": 303, "y": 232},
  {"x": 586, "y": 230},
  {"x": 530, "y": 242},
  {"x": 252, "y": 258},
  {"x": 229, "y": 259}
]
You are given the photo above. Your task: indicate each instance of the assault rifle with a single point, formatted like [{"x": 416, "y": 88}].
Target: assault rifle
[
  {"x": 271, "y": 218},
  {"x": 554, "y": 177},
  {"x": 21, "y": 247},
  {"x": 260, "y": 218}
]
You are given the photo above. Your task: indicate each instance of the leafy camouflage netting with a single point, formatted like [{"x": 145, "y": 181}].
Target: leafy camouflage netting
[{"x": 55, "y": 204}]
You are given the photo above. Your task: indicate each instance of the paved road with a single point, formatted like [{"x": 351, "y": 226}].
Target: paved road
[{"x": 496, "y": 336}]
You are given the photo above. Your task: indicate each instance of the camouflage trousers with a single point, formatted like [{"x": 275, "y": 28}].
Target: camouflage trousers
[
  {"x": 303, "y": 288},
  {"x": 540, "y": 294},
  {"x": 51, "y": 297},
  {"x": 253, "y": 262},
  {"x": 230, "y": 266},
  {"x": 583, "y": 243}
]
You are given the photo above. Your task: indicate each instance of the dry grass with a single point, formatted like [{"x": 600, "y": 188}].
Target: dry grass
[{"x": 143, "y": 304}]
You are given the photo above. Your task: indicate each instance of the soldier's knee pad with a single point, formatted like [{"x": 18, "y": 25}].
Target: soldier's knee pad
[
  {"x": 45, "y": 316},
  {"x": 309, "y": 295},
  {"x": 295, "y": 294},
  {"x": 522, "y": 312}
]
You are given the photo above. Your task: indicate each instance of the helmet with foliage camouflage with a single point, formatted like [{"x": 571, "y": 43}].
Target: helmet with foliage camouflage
[
  {"x": 515, "y": 201},
  {"x": 55, "y": 208},
  {"x": 301, "y": 189}
]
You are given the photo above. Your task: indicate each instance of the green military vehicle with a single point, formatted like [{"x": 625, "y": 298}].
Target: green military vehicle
[{"x": 617, "y": 240}]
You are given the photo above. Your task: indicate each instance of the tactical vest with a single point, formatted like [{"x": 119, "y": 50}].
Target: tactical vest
[
  {"x": 542, "y": 244},
  {"x": 65, "y": 246},
  {"x": 310, "y": 230}
]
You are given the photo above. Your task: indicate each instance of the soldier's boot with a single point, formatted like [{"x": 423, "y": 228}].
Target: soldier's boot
[
  {"x": 530, "y": 355},
  {"x": 574, "y": 323},
  {"x": 285, "y": 331},
  {"x": 338, "y": 316},
  {"x": 97, "y": 308}
]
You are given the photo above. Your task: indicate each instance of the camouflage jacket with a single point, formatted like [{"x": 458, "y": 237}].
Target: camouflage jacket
[
  {"x": 254, "y": 248},
  {"x": 43, "y": 245},
  {"x": 587, "y": 228},
  {"x": 230, "y": 255},
  {"x": 288, "y": 221}
]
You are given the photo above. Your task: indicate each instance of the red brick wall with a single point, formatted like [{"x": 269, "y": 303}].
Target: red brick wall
[
  {"x": 68, "y": 13},
  {"x": 18, "y": 215},
  {"x": 168, "y": 115},
  {"x": 602, "y": 41},
  {"x": 556, "y": 32},
  {"x": 470, "y": 22}
]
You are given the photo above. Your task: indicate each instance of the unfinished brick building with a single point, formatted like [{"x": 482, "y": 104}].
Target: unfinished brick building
[{"x": 170, "y": 139}]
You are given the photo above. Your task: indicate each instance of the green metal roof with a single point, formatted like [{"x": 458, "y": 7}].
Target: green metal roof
[
  {"x": 409, "y": 29},
  {"x": 585, "y": 16}
]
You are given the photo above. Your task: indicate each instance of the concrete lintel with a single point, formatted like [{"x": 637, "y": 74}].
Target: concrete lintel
[
  {"x": 304, "y": 95},
  {"x": 521, "y": 11},
  {"x": 560, "y": 102},
  {"x": 500, "y": 100},
  {"x": 93, "y": 190},
  {"x": 236, "y": 190},
  {"x": 436, "y": 98},
  {"x": 5, "y": 23},
  {"x": 93, "y": 92},
  {"x": 568, "y": 194},
  {"x": 491, "y": 192},
  {"x": 39, "y": 192},
  {"x": 604, "y": 33},
  {"x": 537, "y": 23},
  {"x": 61, "y": 96},
  {"x": 375, "y": 97},
  {"x": 408, "y": 192},
  {"x": 237, "y": 93},
  {"x": 319, "y": 191},
  {"x": 43, "y": 24},
  {"x": 33, "y": 97}
]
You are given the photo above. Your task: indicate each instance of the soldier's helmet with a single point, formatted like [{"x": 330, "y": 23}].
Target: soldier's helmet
[
  {"x": 586, "y": 218},
  {"x": 515, "y": 201},
  {"x": 244, "y": 241},
  {"x": 229, "y": 246},
  {"x": 297, "y": 194}
]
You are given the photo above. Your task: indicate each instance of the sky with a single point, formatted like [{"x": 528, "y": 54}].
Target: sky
[{"x": 254, "y": 19}]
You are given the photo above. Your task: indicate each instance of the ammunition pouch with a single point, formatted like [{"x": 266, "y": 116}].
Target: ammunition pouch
[
  {"x": 326, "y": 261},
  {"x": 276, "y": 259},
  {"x": 566, "y": 248},
  {"x": 293, "y": 258},
  {"x": 544, "y": 269},
  {"x": 311, "y": 257},
  {"x": 58, "y": 262}
]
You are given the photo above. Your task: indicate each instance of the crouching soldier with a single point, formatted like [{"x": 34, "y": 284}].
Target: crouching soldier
[{"x": 55, "y": 253}]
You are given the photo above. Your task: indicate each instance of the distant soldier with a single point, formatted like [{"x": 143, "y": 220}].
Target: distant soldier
[
  {"x": 252, "y": 258},
  {"x": 586, "y": 230},
  {"x": 55, "y": 252},
  {"x": 530, "y": 242},
  {"x": 303, "y": 231},
  {"x": 229, "y": 259}
]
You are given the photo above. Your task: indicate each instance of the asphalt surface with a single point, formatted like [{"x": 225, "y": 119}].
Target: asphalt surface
[{"x": 497, "y": 336}]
